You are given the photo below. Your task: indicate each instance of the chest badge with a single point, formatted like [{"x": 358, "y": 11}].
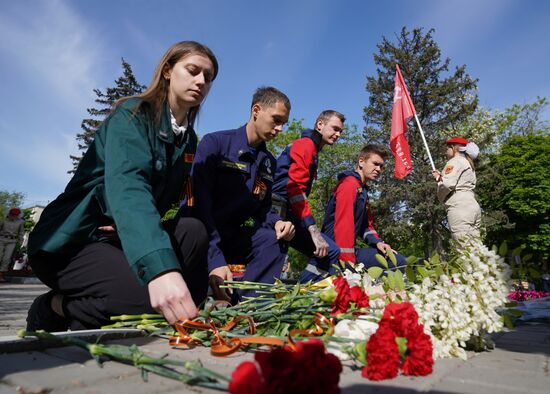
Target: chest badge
[{"x": 158, "y": 165}]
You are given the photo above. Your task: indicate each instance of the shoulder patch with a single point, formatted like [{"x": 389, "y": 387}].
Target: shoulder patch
[
  {"x": 188, "y": 157},
  {"x": 449, "y": 169}
]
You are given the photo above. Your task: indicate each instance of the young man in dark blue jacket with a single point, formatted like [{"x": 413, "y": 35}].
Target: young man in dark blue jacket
[
  {"x": 348, "y": 215},
  {"x": 232, "y": 177},
  {"x": 296, "y": 171}
]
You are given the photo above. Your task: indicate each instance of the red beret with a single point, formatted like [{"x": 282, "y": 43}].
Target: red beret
[
  {"x": 15, "y": 212},
  {"x": 457, "y": 140}
]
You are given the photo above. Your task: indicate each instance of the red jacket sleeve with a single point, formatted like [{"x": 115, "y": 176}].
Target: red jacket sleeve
[
  {"x": 344, "y": 217},
  {"x": 302, "y": 153}
]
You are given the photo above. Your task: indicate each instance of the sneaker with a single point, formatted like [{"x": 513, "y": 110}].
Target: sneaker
[{"x": 42, "y": 317}]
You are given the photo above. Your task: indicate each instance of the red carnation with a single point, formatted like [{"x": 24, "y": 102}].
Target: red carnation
[
  {"x": 399, "y": 320},
  {"x": 309, "y": 369},
  {"x": 246, "y": 379},
  {"x": 419, "y": 361},
  {"x": 382, "y": 355},
  {"x": 358, "y": 296},
  {"x": 343, "y": 296},
  {"x": 400, "y": 317},
  {"x": 320, "y": 371}
]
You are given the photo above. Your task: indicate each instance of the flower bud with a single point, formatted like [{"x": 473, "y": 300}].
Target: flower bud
[{"x": 328, "y": 295}]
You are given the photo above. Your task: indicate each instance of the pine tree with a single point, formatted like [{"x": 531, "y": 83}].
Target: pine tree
[
  {"x": 407, "y": 212},
  {"x": 126, "y": 85}
]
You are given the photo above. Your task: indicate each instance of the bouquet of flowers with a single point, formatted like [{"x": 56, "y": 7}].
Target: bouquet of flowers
[{"x": 458, "y": 301}]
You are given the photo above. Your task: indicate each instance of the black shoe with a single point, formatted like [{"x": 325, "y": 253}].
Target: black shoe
[{"x": 42, "y": 317}]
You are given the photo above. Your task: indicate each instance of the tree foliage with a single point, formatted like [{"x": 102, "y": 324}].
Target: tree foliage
[
  {"x": 407, "y": 210},
  {"x": 10, "y": 200},
  {"x": 126, "y": 85},
  {"x": 516, "y": 181}
]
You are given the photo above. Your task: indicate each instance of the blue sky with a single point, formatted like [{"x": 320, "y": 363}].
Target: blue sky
[{"x": 54, "y": 52}]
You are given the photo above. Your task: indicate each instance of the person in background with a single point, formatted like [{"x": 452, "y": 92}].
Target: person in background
[
  {"x": 232, "y": 181},
  {"x": 102, "y": 246},
  {"x": 455, "y": 188},
  {"x": 296, "y": 171},
  {"x": 12, "y": 229},
  {"x": 348, "y": 216}
]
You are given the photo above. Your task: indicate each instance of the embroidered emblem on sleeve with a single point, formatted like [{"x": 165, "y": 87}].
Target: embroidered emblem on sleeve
[{"x": 449, "y": 169}]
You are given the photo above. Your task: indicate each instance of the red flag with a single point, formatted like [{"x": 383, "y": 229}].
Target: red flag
[{"x": 403, "y": 110}]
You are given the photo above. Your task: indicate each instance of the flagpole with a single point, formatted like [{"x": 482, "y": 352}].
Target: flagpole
[{"x": 424, "y": 139}]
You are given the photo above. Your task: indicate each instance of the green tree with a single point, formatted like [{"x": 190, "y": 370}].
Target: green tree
[
  {"x": 523, "y": 120},
  {"x": 519, "y": 187},
  {"x": 292, "y": 132},
  {"x": 10, "y": 200},
  {"x": 407, "y": 211},
  {"x": 126, "y": 85}
]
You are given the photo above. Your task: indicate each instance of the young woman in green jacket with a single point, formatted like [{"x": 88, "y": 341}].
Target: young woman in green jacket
[{"x": 101, "y": 246}]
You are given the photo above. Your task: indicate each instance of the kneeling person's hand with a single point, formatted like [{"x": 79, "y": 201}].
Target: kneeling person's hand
[
  {"x": 216, "y": 278},
  {"x": 170, "y": 296}
]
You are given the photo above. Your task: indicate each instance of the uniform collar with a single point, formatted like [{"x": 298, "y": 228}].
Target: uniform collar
[
  {"x": 315, "y": 136},
  {"x": 166, "y": 131},
  {"x": 245, "y": 151},
  {"x": 352, "y": 173}
]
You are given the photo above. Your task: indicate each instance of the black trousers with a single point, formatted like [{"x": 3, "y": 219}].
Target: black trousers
[{"x": 97, "y": 281}]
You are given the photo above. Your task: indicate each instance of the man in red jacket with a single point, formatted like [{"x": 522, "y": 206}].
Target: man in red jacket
[
  {"x": 348, "y": 215},
  {"x": 296, "y": 171}
]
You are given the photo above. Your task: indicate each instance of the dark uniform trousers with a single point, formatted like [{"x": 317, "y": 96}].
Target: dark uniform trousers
[
  {"x": 259, "y": 249},
  {"x": 97, "y": 281}
]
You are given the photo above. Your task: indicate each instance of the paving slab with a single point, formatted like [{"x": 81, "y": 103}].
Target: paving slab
[{"x": 520, "y": 363}]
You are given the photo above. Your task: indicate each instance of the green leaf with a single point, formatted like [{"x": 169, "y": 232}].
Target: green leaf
[
  {"x": 511, "y": 304},
  {"x": 375, "y": 272},
  {"x": 409, "y": 271},
  {"x": 503, "y": 249},
  {"x": 400, "y": 283},
  {"x": 424, "y": 273},
  {"x": 515, "y": 312},
  {"x": 508, "y": 321},
  {"x": 435, "y": 260},
  {"x": 526, "y": 258},
  {"x": 517, "y": 251},
  {"x": 438, "y": 270},
  {"x": 381, "y": 260},
  {"x": 411, "y": 259},
  {"x": 361, "y": 350},
  {"x": 392, "y": 258},
  {"x": 402, "y": 346},
  {"x": 392, "y": 283}
]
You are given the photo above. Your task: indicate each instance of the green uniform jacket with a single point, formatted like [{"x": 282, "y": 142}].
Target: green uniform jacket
[{"x": 131, "y": 175}]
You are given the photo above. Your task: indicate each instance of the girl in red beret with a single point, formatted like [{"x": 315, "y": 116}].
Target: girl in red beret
[{"x": 455, "y": 188}]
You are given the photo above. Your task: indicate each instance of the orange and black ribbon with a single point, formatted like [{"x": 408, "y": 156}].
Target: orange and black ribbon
[{"x": 222, "y": 347}]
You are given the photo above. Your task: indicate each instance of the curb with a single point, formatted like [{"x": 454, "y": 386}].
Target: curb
[{"x": 15, "y": 344}]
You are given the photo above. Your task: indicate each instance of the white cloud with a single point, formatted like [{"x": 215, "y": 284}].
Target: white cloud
[{"x": 52, "y": 44}]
